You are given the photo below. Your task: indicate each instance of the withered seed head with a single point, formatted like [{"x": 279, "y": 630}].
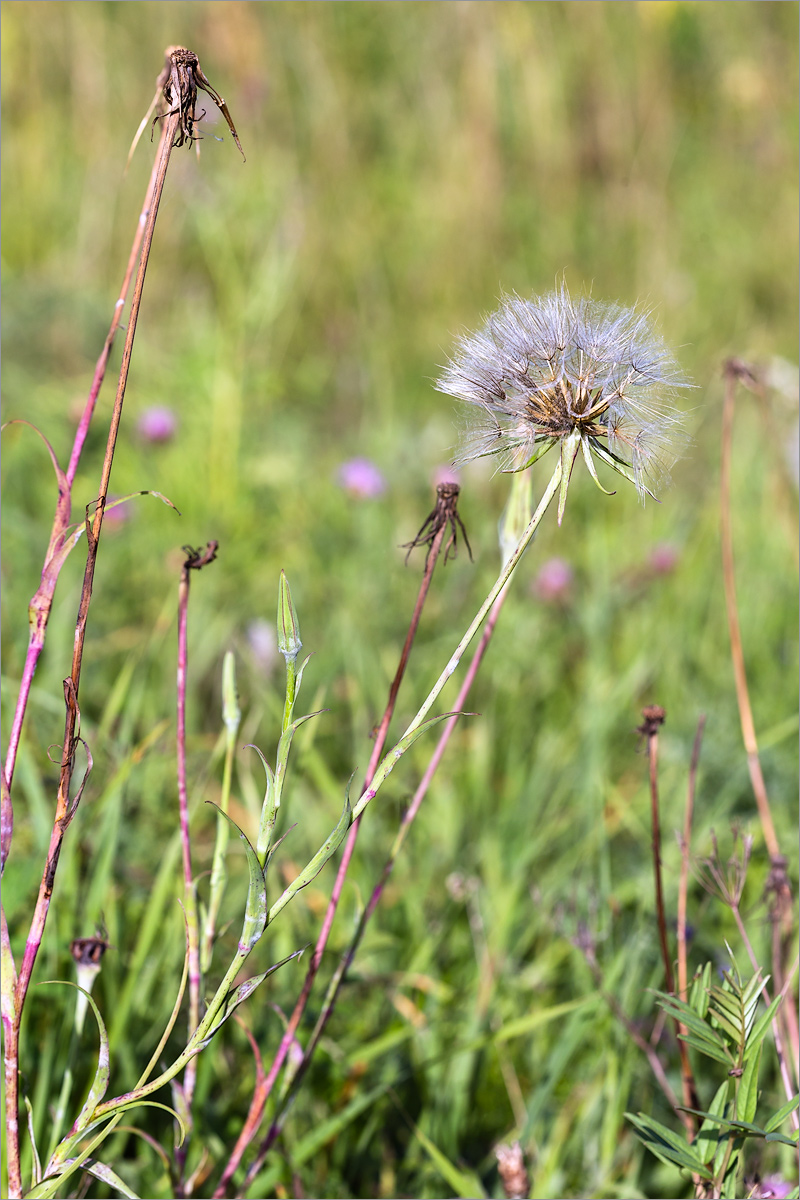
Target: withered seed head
[{"x": 178, "y": 83}]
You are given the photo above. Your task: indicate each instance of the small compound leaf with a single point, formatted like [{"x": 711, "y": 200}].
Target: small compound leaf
[{"x": 667, "y": 1145}]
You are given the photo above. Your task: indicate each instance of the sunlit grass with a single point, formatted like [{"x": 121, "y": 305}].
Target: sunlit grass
[{"x": 406, "y": 164}]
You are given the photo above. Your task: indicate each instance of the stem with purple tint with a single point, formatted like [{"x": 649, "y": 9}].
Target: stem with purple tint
[
  {"x": 189, "y": 894},
  {"x": 42, "y": 601},
  {"x": 265, "y": 1085},
  {"x": 346, "y": 960},
  {"x": 369, "y": 792},
  {"x": 15, "y": 988}
]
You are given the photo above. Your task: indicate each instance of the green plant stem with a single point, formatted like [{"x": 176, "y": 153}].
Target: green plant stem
[
  {"x": 370, "y": 792},
  {"x": 65, "y": 809},
  {"x": 291, "y": 1085},
  {"x": 455, "y": 659},
  {"x": 263, "y": 1090}
]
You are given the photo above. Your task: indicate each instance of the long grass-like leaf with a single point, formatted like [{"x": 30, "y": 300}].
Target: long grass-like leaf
[{"x": 255, "y": 913}]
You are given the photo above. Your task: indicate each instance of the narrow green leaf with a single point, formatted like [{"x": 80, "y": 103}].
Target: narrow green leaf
[
  {"x": 670, "y": 1147},
  {"x": 732, "y": 1184},
  {"x": 745, "y": 1128},
  {"x": 255, "y": 913},
  {"x": 777, "y": 1118},
  {"x": 393, "y": 756},
  {"x": 266, "y": 824},
  {"x": 779, "y": 1137},
  {"x": 707, "y": 1138},
  {"x": 101, "y": 1077},
  {"x": 698, "y": 993},
  {"x": 761, "y": 1026},
  {"x": 707, "y": 1048},
  {"x": 313, "y": 868},
  {"x": 37, "y": 1162},
  {"x": 464, "y": 1183},
  {"x": 245, "y": 990}
]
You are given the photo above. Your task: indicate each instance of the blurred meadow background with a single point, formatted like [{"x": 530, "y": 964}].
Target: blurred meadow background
[{"x": 407, "y": 164}]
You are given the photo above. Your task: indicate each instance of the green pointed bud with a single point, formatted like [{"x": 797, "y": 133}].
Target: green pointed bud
[
  {"x": 231, "y": 713},
  {"x": 517, "y": 514},
  {"x": 289, "y": 642}
]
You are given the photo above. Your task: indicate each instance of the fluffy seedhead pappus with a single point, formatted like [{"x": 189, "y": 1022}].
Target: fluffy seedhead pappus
[{"x": 579, "y": 374}]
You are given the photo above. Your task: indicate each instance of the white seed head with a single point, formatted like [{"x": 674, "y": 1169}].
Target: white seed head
[{"x": 542, "y": 369}]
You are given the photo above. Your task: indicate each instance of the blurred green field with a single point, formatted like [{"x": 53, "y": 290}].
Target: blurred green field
[{"x": 407, "y": 163}]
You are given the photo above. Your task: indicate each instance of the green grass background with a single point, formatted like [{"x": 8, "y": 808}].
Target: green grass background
[{"x": 406, "y": 164}]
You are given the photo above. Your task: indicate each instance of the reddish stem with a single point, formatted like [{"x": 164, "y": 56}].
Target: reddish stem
[{"x": 258, "y": 1104}]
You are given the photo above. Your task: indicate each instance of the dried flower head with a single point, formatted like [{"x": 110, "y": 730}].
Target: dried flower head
[{"x": 580, "y": 375}]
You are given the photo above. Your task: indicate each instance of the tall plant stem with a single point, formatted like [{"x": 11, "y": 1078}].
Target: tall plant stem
[
  {"x": 42, "y": 601},
  {"x": 263, "y": 1090},
  {"x": 653, "y": 719},
  {"x": 346, "y": 960},
  {"x": 370, "y": 791},
  {"x": 14, "y": 999},
  {"x": 689, "y": 1087},
  {"x": 783, "y": 912},
  {"x": 735, "y": 370}
]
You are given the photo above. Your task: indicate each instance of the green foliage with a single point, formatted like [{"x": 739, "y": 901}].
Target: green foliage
[
  {"x": 405, "y": 163},
  {"x": 720, "y": 1022}
]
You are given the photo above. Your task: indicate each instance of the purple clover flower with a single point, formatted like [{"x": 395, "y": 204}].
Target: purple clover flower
[
  {"x": 360, "y": 477},
  {"x": 553, "y": 580},
  {"x": 157, "y": 424}
]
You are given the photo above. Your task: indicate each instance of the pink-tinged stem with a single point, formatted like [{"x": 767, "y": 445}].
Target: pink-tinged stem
[
  {"x": 405, "y": 826},
  {"x": 42, "y": 601},
  {"x": 334, "y": 987},
  {"x": 194, "y": 562},
  {"x": 263, "y": 1091},
  {"x": 64, "y": 810}
]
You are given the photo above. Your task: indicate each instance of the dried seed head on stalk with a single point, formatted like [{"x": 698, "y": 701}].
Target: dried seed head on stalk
[
  {"x": 445, "y": 513},
  {"x": 577, "y": 374},
  {"x": 176, "y": 91}
]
